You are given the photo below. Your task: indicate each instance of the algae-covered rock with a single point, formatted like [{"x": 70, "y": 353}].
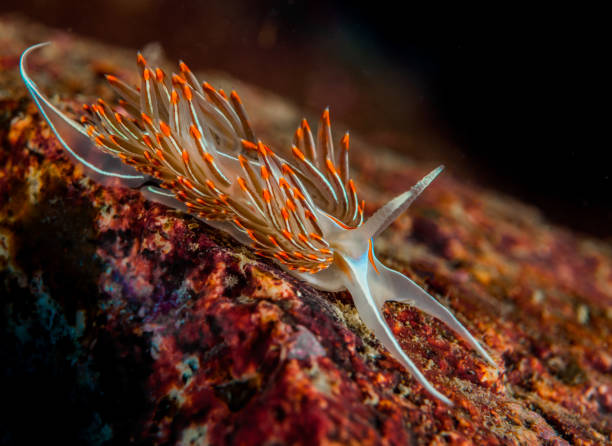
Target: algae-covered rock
[{"x": 128, "y": 322}]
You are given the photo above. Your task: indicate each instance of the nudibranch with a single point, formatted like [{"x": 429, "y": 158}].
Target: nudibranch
[{"x": 190, "y": 146}]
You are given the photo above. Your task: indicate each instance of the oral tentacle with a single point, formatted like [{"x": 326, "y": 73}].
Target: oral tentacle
[
  {"x": 357, "y": 274},
  {"x": 389, "y": 284}
]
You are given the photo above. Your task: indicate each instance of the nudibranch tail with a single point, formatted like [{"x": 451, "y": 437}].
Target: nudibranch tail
[
  {"x": 99, "y": 166},
  {"x": 191, "y": 147}
]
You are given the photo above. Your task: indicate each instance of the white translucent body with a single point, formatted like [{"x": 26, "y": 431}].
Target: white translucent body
[{"x": 355, "y": 266}]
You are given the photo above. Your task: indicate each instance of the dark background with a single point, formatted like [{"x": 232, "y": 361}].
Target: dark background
[{"x": 510, "y": 99}]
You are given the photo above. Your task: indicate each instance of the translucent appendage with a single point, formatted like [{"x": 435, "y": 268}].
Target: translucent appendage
[
  {"x": 392, "y": 285},
  {"x": 98, "y": 165},
  {"x": 357, "y": 282},
  {"x": 384, "y": 216}
]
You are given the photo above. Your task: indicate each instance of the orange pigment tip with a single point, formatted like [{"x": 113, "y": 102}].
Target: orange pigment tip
[
  {"x": 195, "y": 133},
  {"x": 262, "y": 148},
  {"x": 146, "y": 118},
  {"x": 241, "y": 183},
  {"x": 140, "y": 59},
  {"x": 331, "y": 167},
  {"x": 345, "y": 141},
  {"x": 164, "y": 128},
  {"x": 187, "y": 183},
  {"x": 298, "y": 194},
  {"x": 266, "y": 195},
  {"x": 235, "y": 97},
  {"x": 187, "y": 92},
  {"x": 298, "y": 153},
  {"x": 178, "y": 80},
  {"x": 283, "y": 183},
  {"x": 248, "y": 144},
  {"x": 325, "y": 117},
  {"x": 290, "y": 204}
]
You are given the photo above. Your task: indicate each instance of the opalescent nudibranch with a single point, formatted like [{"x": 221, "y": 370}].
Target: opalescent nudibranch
[{"x": 191, "y": 147}]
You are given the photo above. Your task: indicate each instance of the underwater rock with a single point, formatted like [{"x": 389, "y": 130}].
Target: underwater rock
[{"x": 128, "y": 322}]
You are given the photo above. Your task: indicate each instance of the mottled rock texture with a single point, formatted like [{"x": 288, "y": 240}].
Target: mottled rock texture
[{"x": 128, "y": 322}]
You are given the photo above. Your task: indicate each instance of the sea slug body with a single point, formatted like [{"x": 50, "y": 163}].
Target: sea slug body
[{"x": 191, "y": 147}]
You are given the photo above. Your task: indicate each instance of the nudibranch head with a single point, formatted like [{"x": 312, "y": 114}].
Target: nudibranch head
[{"x": 190, "y": 146}]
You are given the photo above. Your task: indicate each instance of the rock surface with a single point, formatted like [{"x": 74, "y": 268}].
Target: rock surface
[{"x": 127, "y": 322}]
